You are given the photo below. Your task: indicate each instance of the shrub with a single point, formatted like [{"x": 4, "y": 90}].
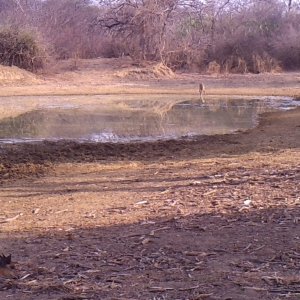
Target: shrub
[{"x": 20, "y": 48}]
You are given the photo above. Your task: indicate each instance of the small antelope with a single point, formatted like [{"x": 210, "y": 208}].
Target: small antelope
[{"x": 201, "y": 91}]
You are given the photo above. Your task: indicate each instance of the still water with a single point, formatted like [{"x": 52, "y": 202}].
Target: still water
[{"x": 134, "y": 118}]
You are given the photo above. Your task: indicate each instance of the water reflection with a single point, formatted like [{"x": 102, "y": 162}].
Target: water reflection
[{"x": 134, "y": 120}]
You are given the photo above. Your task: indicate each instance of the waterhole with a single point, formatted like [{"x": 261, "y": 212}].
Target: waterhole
[{"x": 128, "y": 119}]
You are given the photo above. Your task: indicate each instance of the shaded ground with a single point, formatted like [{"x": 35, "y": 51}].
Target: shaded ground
[{"x": 212, "y": 218}]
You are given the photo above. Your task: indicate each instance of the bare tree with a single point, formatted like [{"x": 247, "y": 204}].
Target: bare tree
[
  {"x": 186, "y": 34},
  {"x": 139, "y": 25}
]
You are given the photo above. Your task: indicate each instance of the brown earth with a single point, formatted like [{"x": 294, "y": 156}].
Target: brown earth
[{"x": 212, "y": 218}]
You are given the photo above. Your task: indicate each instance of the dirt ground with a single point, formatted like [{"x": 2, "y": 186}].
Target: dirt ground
[{"x": 216, "y": 217}]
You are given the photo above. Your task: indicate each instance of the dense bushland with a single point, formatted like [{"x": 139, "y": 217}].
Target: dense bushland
[
  {"x": 199, "y": 35},
  {"x": 20, "y": 48}
]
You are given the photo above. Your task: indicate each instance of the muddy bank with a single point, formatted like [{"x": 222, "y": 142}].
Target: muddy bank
[
  {"x": 276, "y": 131},
  {"x": 203, "y": 228}
]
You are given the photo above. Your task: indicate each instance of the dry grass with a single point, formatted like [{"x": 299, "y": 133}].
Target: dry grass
[
  {"x": 17, "y": 76},
  {"x": 157, "y": 71},
  {"x": 60, "y": 90},
  {"x": 123, "y": 76}
]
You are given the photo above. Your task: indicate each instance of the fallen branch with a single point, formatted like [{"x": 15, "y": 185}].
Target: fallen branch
[{"x": 7, "y": 220}]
